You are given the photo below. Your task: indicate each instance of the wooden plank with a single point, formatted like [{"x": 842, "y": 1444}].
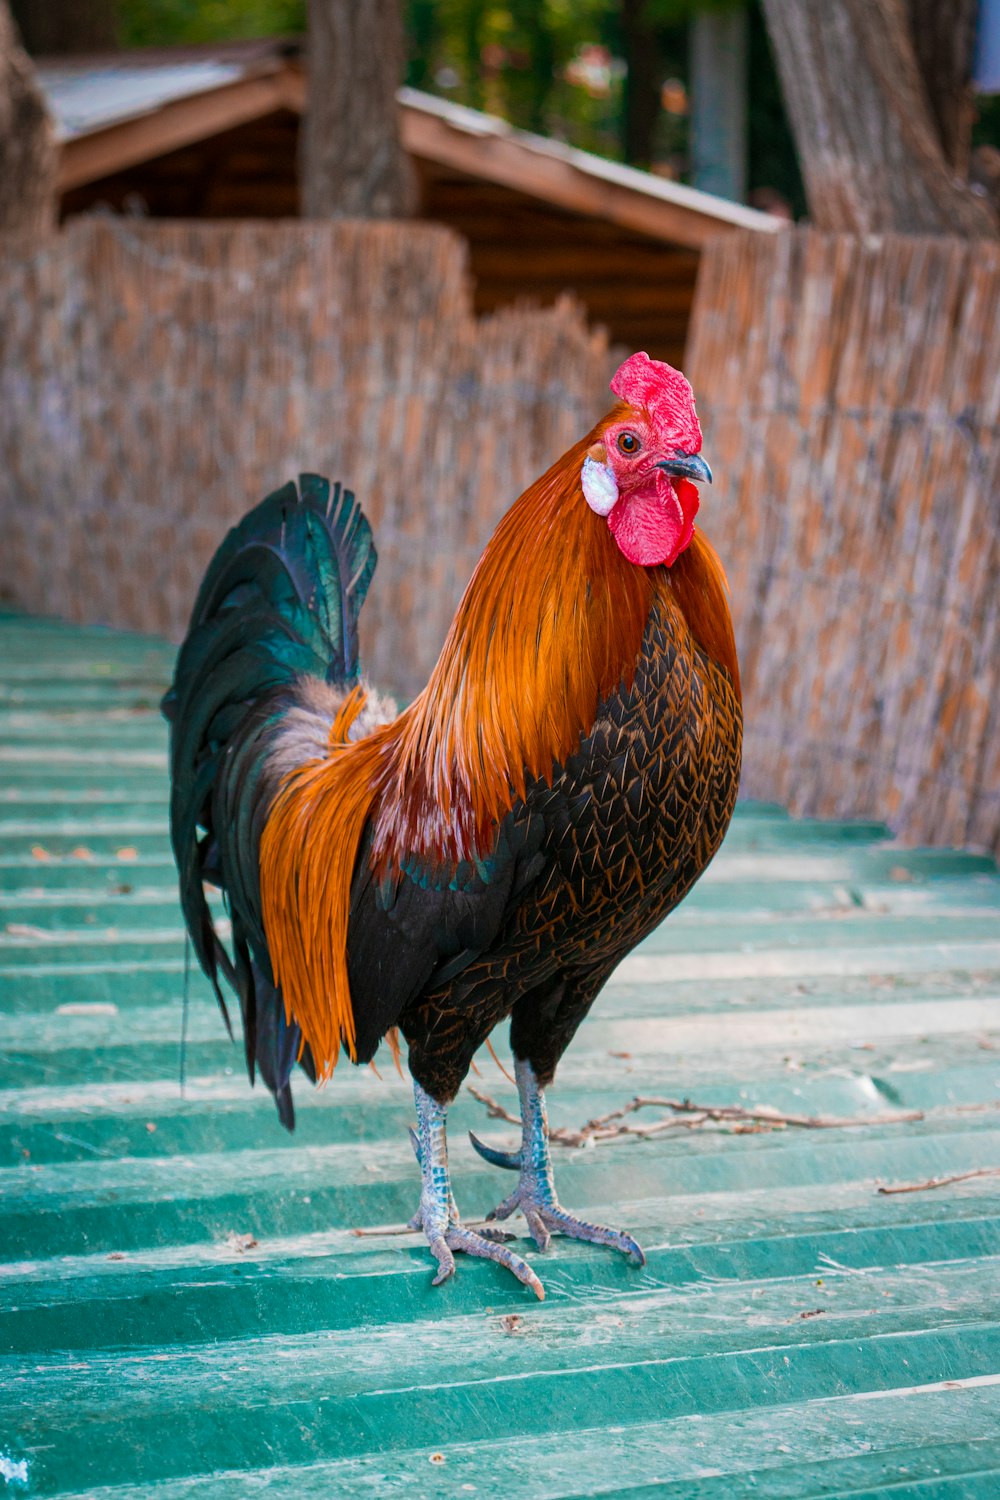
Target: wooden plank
[{"x": 511, "y": 165}]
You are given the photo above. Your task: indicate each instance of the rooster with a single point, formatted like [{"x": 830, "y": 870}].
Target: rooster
[{"x": 494, "y": 850}]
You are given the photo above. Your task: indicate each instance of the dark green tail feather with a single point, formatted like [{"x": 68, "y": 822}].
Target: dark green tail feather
[{"x": 280, "y": 601}]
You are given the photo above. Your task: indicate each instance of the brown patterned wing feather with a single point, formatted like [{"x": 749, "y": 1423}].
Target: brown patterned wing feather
[{"x": 628, "y": 825}]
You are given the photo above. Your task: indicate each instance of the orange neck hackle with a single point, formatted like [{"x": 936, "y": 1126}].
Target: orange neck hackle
[{"x": 551, "y": 623}]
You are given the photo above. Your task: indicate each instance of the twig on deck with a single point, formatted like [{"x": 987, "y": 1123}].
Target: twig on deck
[
  {"x": 385, "y": 1229},
  {"x": 936, "y": 1182},
  {"x": 389, "y": 1229},
  {"x": 685, "y": 1114}
]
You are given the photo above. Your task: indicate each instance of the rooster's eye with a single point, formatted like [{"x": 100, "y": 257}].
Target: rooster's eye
[{"x": 628, "y": 443}]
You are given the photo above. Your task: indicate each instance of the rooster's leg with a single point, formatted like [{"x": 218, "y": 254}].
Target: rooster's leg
[
  {"x": 535, "y": 1194},
  {"x": 437, "y": 1215}
]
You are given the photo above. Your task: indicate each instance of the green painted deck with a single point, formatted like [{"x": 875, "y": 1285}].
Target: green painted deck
[{"x": 187, "y": 1311}]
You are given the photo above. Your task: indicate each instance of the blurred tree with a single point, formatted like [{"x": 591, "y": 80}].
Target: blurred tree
[
  {"x": 944, "y": 39},
  {"x": 878, "y": 140},
  {"x": 531, "y": 61},
  {"x": 27, "y": 142},
  {"x": 642, "y": 46},
  {"x": 59, "y": 26},
  {"x": 719, "y": 101},
  {"x": 352, "y": 161},
  {"x": 773, "y": 165}
]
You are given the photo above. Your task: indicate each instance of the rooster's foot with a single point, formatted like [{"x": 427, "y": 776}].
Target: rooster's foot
[
  {"x": 545, "y": 1218},
  {"x": 445, "y": 1240},
  {"x": 438, "y": 1216},
  {"x": 535, "y": 1194}
]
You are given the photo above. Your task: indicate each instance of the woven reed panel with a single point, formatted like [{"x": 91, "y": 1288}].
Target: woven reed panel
[
  {"x": 158, "y": 379},
  {"x": 850, "y": 395}
]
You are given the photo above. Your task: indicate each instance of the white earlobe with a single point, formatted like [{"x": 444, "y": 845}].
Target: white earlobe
[{"x": 600, "y": 489}]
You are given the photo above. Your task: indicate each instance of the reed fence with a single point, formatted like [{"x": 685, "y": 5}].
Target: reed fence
[
  {"x": 850, "y": 395},
  {"x": 156, "y": 379}
]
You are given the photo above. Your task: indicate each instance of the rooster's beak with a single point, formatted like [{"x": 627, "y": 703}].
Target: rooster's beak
[{"x": 688, "y": 466}]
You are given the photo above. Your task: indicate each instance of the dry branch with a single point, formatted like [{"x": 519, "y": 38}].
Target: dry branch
[
  {"x": 685, "y": 1114},
  {"x": 937, "y": 1182},
  {"x": 388, "y": 1230}
]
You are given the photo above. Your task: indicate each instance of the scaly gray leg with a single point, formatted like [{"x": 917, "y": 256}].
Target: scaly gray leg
[
  {"x": 535, "y": 1194},
  {"x": 437, "y": 1215}
]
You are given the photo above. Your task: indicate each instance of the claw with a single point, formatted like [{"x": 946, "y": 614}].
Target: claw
[
  {"x": 560, "y": 1222},
  {"x": 476, "y": 1244},
  {"x": 438, "y": 1216},
  {"x": 511, "y": 1160},
  {"x": 539, "y": 1233},
  {"x": 535, "y": 1194},
  {"x": 498, "y": 1236},
  {"x": 484, "y": 1247},
  {"x": 506, "y": 1208},
  {"x": 545, "y": 1219},
  {"x": 441, "y": 1252}
]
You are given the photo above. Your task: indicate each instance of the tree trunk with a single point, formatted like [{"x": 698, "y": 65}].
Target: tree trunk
[
  {"x": 870, "y": 153},
  {"x": 28, "y": 161},
  {"x": 719, "y": 116},
  {"x": 642, "y": 81},
  {"x": 353, "y": 164},
  {"x": 944, "y": 40}
]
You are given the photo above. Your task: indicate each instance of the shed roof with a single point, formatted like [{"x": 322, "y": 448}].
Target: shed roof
[
  {"x": 189, "y": 1309},
  {"x": 116, "y": 111}
]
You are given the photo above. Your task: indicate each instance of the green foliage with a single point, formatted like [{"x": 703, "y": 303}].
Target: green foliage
[
  {"x": 676, "y": 12},
  {"x": 165, "y": 23},
  {"x": 515, "y": 58},
  {"x": 986, "y": 130},
  {"x": 511, "y": 59},
  {"x": 556, "y": 67}
]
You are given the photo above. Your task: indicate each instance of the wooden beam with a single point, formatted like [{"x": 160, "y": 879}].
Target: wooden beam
[
  {"x": 557, "y": 181},
  {"x": 492, "y": 154},
  {"x": 87, "y": 158}
]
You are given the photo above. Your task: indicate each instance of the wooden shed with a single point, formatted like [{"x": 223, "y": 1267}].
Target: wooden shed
[{"x": 213, "y": 133}]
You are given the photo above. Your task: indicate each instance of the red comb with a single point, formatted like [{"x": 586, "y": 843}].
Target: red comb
[{"x": 665, "y": 394}]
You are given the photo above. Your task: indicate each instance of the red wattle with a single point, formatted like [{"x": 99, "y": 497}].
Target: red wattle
[{"x": 653, "y": 525}]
